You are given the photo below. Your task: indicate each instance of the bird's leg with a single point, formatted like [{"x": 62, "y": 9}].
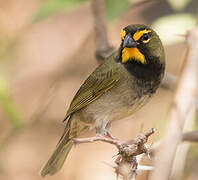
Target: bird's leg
[
  {"x": 108, "y": 133},
  {"x": 97, "y": 138},
  {"x": 101, "y": 135},
  {"x": 106, "y": 137},
  {"x": 86, "y": 140},
  {"x": 105, "y": 134},
  {"x": 103, "y": 130}
]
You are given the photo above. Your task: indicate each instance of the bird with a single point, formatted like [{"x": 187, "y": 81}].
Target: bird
[{"x": 116, "y": 89}]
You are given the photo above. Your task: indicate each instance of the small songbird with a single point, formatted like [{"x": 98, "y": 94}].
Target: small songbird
[{"x": 117, "y": 88}]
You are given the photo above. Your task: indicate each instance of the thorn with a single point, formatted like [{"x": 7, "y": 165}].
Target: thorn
[
  {"x": 117, "y": 176},
  {"x": 138, "y": 172},
  {"x": 115, "y": 155},
  {"x": 139, "y": 157},
  {"x": 110, "y": 165},
  {"x": 133, "y": 176},
  {"x": 148, "y": 155},
  {"x": 148, "y": 152},
  {"x": 151, "y": 145},
  {"x": 145, "y": 168}
]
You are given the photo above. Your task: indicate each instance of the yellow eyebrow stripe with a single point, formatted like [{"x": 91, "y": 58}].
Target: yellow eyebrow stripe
[{"x": 138, "y": 34}]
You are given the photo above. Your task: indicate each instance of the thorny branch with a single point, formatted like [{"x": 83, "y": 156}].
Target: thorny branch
[{"x": 126, "y": 162}]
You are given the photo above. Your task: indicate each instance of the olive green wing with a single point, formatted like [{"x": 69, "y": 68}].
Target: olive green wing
[{"x": 99, "y": 82}]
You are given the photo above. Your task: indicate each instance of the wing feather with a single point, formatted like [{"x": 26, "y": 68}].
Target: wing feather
[{"x": 95, "y": 86}]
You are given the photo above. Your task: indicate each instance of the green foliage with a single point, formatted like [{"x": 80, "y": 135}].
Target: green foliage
[
  {"x": 115, "y": 8},
  {"x": 9, "y": 106},
  {"x": 51, "y": 7}
]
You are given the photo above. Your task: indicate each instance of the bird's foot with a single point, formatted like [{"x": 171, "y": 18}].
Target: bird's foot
[
  {"x": 102, "y": 132},
  {"x": 87, "y": 140},
  {"x": 109, "y": 135},
  {"x": 98, "y": 137}
]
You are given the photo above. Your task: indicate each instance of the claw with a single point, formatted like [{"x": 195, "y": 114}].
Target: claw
[{"x": 109, "y": 135}]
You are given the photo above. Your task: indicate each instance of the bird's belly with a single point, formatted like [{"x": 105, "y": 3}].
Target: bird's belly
[
  {"x": 112, "y": 106},
  {"x": 128, "y": 109}
]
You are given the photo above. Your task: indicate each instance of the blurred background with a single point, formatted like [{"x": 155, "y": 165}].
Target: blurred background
[{"x": 46, "y": 52}]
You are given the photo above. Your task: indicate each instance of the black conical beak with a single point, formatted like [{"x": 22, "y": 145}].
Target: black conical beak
[{"x": 129, "y": 42}]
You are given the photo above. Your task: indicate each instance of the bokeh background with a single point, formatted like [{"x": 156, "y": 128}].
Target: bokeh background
[{"x": 46, "y": 52}]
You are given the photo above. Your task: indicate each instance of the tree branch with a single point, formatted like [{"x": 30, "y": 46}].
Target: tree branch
[
  {"x": 103, "y": 47},
  {"x": 126, "y": 162},
  {"x": 190, "y": 136}
]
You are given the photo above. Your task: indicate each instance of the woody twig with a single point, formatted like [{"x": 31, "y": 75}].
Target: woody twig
[{"x": 127, "y": 165}]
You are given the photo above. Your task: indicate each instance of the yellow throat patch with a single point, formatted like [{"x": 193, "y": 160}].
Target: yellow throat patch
[{"x": 132, "y": 54}]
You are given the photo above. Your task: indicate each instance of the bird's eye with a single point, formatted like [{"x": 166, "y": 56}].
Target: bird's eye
[{"x": 145, "y": 37}]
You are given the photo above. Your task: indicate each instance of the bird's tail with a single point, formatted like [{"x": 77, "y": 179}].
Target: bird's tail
[{"x": 56, "y": 161}]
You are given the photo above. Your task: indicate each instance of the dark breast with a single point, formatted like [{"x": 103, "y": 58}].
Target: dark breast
[{"x": 147, "y": 77}]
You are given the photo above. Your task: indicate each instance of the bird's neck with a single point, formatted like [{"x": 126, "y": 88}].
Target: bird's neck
[
  {"x": 147, "y": 76},
  {"x": 153, "y": 70}
]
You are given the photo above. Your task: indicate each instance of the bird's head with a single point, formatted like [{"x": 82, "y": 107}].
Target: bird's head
[{"x": 141, "y": 44}]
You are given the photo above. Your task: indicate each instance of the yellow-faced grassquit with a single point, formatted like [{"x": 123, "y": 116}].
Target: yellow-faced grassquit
[{"x": 117, "y": 88}]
